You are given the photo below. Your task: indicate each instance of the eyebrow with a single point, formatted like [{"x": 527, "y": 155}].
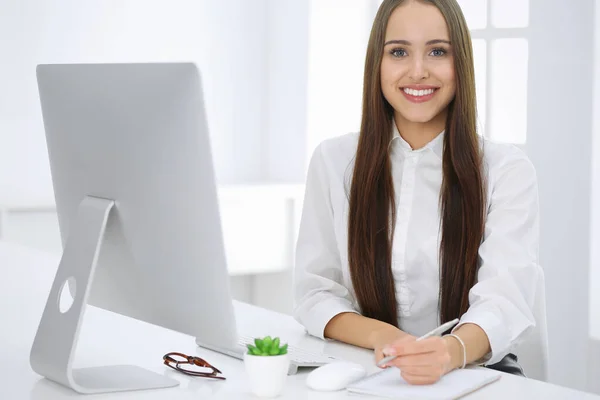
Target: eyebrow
[{"x": 407, "y": 43}]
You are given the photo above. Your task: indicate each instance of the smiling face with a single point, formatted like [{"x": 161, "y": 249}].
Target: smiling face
[{"x": 417, "y": 67}]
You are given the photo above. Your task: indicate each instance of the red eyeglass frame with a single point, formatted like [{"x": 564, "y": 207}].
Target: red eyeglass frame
[{"x": 169, "y": 361}]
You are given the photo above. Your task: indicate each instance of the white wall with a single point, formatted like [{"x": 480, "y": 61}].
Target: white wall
[
  {"x": 558, "y": 142},
  {"x": 595, "y": 211},
  {"x": 339, "y": 32},
  {"x": 286, "y": 147},
  {"x": 252, "y": 56},
  {"x": 250, "y": 53},
  {"x": 594, "y": 312}
]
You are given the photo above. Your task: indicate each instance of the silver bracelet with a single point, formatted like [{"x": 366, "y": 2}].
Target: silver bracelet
[{"x": 464, "y": 348}]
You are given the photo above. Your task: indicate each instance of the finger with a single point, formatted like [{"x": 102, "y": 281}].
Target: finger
[
  {"x": 391, "y": 348},
  {"x": 416, "y": 347},
  {"x": 419, "y": 380},
  {"x": 379, "y": 355},
  {"x": 430, "y": 370},
  {"x": 421, "y": 360}
]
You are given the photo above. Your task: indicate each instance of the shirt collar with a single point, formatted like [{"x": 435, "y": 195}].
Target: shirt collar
[{"x": 436, "y": 145}]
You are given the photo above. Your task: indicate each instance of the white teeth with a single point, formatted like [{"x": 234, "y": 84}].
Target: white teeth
[{"x": 418, "y": 93}]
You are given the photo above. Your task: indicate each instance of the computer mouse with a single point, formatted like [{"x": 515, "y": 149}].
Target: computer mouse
[{"x": 335, "y": 376}]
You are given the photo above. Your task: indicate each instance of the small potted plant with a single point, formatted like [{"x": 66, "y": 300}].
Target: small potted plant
[{"x": 267, "y": 363}]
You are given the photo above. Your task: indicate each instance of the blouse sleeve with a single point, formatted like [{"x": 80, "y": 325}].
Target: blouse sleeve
[
  {"x": 501, "y": 302},
  {"x": 319, "y": 293}
]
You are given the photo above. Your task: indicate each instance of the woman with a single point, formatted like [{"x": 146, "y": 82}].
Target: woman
[{"x": 417, "y": 220}]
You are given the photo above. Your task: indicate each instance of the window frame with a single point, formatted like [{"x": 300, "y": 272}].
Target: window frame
[{"x": 489, "y": 34}]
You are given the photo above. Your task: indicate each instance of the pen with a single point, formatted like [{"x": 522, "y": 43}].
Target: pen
[{"x": 437, "y": 331}]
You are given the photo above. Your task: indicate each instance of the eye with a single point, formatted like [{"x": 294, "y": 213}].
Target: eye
[
  {"x": 398, "y": 53},
  {"x": 438, "y": 52}
]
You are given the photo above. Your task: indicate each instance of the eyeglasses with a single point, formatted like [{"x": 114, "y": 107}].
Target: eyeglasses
[{"x": 189, "y": 365}]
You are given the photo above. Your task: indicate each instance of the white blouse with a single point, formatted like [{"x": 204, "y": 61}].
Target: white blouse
[{"x": 502, "y": 299}]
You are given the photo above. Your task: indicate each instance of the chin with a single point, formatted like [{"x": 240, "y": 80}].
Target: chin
[{"x": 417, "y": 118}]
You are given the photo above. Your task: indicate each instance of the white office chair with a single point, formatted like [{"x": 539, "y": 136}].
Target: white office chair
[{"x": 533, "y": 351}]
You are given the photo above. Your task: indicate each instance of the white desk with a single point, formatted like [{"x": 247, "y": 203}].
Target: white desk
[{"x": 107, "y": 338}]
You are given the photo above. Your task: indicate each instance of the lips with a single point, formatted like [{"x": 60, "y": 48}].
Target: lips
[{"x": 419, "y": 95}]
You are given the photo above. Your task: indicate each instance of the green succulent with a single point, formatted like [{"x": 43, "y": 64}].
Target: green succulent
[{"x": 267, "y": 347}]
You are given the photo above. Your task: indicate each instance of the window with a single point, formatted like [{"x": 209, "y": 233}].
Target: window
[
  {"x": 509, "y": 13},
  {"x": 339, "y": 31},
  {"x": 508, "y": 100},
  {"x": 499, "y": 29}
]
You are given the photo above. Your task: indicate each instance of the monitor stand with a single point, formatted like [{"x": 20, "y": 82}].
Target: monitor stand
[{"x": 56, "y": 338}]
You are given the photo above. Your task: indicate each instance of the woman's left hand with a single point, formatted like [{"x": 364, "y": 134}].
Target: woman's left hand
[{"x": 421, "y": 362}]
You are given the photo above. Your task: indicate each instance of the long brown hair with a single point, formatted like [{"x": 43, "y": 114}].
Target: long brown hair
[{"x": 372, "y": 211}]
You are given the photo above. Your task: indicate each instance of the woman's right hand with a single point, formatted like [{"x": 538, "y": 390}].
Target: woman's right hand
[{"x": 382, "y": 337}]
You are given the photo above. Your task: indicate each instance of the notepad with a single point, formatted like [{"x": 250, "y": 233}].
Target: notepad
[{"x": 458, "y": 383}]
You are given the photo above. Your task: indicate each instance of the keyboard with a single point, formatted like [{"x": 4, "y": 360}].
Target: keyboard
[{"x": 298, "y": 356}]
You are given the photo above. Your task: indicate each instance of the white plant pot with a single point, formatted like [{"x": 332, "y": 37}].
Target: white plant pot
[{"x": 267, "y": 374}]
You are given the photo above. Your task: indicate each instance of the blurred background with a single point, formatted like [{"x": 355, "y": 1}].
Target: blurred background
[{"x": 280, "y": 76}]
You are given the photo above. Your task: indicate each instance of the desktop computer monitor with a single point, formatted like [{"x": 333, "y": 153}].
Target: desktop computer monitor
[{"x": 138, "y": 212}]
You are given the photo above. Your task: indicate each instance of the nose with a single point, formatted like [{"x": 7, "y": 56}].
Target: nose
[{"x": 418, "y": 70}]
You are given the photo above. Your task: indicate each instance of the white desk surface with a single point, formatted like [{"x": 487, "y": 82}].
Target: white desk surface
[{"x": 107, "y": 339}]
